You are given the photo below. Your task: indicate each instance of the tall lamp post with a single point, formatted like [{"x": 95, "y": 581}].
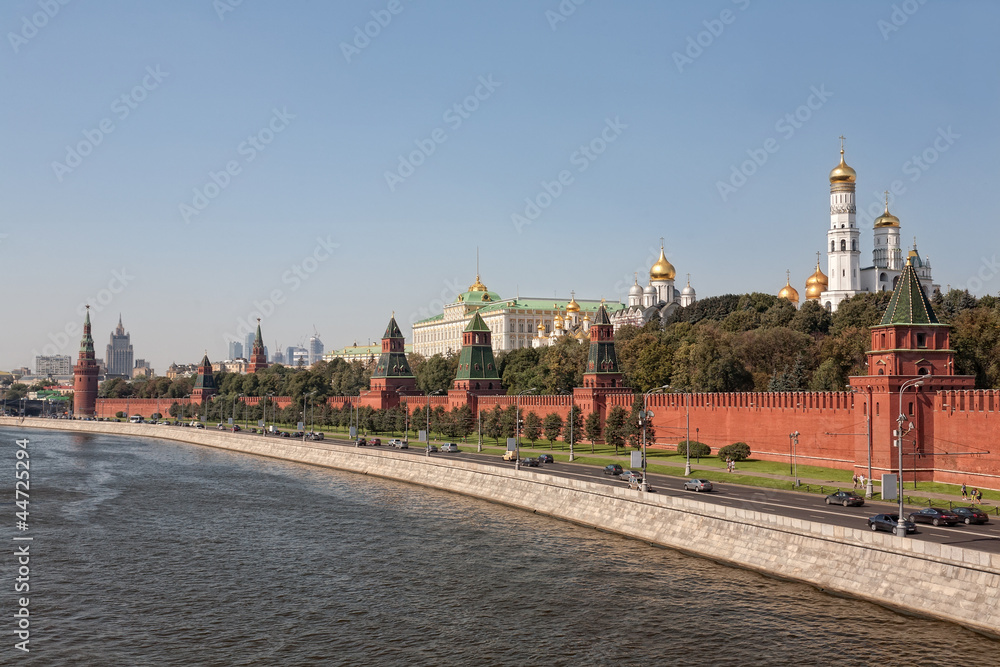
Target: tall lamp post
[
  {"x": 266, "y": 402},
  {"x": 687, "y": 421},
  {"x": 427, "y": 450},
  {"x": 517, "y": 427},
  {"x": 868, "y": 435},
  {"x": 643, "y": 422},
  {"x": 304, "y": 396},
  {"x": 900, "y": 526},
  {"x": 793, "y": 442}
]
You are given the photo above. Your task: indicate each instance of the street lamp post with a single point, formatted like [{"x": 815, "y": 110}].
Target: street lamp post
[
  {"x": 868, "y": 435},
  {"x": 266, "y": 402},
  {"x": 900, "y": 526},
  {"x": 304, "y": 396},
  {"x": 793, "y": 441},
  {"x": 479, "y": 419},
  {"x": 643, "y": 422},
  {"x": 517, "y": 427}
]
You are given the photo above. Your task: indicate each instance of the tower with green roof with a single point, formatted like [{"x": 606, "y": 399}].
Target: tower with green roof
[
  {"x": 85, "y": 375},
  {"x": 909, "y": 341},
  {"x": 204, "y": 385},
  {"x": 392, "y": 372},
  {"x": 477, "y": 369},
  {"x": 602, "y": 362},
  {"x": 258, "y": 359}
]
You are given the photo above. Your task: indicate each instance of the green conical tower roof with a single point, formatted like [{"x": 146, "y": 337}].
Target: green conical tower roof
[
  {"x": 476, "y": 361},
  {"x": 909, "y": 304},
  {"x": 205, "y": 380},
  {"x": 392, "y": 330},
  {"x": 477, "y": 324},
  {"x": 87, "y": 342},
  {"x": 392, "y": 362}
]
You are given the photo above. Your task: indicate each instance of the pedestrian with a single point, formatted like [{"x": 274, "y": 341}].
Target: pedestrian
[
  {"x": 975, "y": 492},
  {"x": 979, "y": 497},
  {"x": 854, "y": 480},
  {"x": 861, "y": 480},
  {"x": 965, "y": 492}
]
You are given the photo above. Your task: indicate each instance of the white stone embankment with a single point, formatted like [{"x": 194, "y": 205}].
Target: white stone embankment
[{"x": 941, "y": 581}]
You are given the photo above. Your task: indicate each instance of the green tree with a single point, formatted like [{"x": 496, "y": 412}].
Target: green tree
[
  {"x": 493, "y": 424},
  {"x": 593, "y": 429},
  {"x": 552, "y": 424},
  {"x": 615, "y": 428},
  {"x": 532, "y": 427},
  {"x": 575, "y": 419},
  {"x": 435, "y": 373}
]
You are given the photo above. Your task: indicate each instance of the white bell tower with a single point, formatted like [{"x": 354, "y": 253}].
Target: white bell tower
[{"x": 843, "y": 254}]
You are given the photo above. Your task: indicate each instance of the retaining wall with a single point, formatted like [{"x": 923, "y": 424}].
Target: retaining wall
[{"x": 951, "y": 583}]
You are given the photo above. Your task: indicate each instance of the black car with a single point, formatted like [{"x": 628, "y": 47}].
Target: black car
[
  {"x": 887, "y": 522},
  {"x": 529, "y": 461},
  {"x": 845, "y": 498},
  {"x": 613, "y": 469},
  {"x": 934, "y": 516},
  {"x": 546, "y": 458},
  {"x": 360, "y": 442},
  {"x": 971, "y": 514}
]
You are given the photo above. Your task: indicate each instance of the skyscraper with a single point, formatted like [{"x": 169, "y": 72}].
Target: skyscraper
[
  {"x": 119, "y": 356},
  {"x": 315, "y": 349},
  {"x": 235, "y": 349}
]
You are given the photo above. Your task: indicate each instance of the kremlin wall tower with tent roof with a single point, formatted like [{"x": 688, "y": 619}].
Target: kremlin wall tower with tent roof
[{"x": 950, "y": 428}]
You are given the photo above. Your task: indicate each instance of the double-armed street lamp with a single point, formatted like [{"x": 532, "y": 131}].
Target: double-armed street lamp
[
  {"x": 793, "y": 443},
  {"x": 644, "y": 420},
  {"x": 900, "y": 525}
]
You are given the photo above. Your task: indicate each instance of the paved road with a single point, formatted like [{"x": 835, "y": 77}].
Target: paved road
[{"x": 807, "y": 506}]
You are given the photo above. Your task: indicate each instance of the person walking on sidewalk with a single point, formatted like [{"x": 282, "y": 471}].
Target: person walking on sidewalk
[{"x": 965, "y": 492}]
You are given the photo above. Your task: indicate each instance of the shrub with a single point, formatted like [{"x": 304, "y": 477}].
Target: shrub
[
  {"x": 119, "y": 414},
  {"x": 698, "y": 449},
  {"x": 738, "y": 451}
]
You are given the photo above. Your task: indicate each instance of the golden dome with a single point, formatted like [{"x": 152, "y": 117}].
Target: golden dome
[
  {"x": 477, "y": 286},
  {"x": 541, "y": 327},
  {"x": 662, "y": 270},
  {"x": 816, "y": 284},
  {"x": 886, "y": 219},
  {"x": 789, "y": 292},
  {"x": 573, "y": 306},
  {"x": 843, "y": 173}
]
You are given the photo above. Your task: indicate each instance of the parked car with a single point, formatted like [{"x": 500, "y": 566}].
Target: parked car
[
  {"x": 360, "y": 442},
  {"x": 529, "y": 461},
  {"x": 934, "y": 516},
  {"x": 431, "y": 449},
  {"x": 698, "y": 485},
  {"x": 546, "y": 458},
  {"x": 845, "y": 498},
  {"x": 887, "y": 522},
  {"x": 614, "y": 469},
  {"x": 971, "y": 514},
  {"x": 510, "y": 455},
  {"x": 449, "y": 447}
]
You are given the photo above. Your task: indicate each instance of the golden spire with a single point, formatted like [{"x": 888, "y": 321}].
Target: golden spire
[
  {"x": 886, "y": 219},
  {"x": 842, "y": 173}
]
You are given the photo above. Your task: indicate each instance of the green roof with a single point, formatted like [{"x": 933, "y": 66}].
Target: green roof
[
  {"x": 477, "y": 297},
  {"x": 909, "y": 304},
  {"x": 392, "y": 330},
  {"x": 476, "y": 323}
]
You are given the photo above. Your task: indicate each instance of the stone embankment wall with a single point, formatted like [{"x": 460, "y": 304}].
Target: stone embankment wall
[{"x": 951, "y": 583}]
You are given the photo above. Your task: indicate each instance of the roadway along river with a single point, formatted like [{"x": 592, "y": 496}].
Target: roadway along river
[{"x": 153, "y": 552}]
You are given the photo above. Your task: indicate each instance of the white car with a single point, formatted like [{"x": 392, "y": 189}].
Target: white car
[
  {"x": 449, "y": 447},
  {"x": 395, "y": 442}
]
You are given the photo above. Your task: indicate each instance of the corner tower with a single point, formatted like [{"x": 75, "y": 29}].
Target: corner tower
[
  {"x": 204, "y": 385},
  {"x": 258, "y": 359},
  {"x": 843, "y": 256},
  {"x": 85, "y": 375},
  {"x": 477, "y": 370},
  {"x": 392, "y": 371},
  {"x": 602, "y": 362}
]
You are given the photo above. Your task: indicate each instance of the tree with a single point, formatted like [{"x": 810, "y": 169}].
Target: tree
[
  {"x": 435, "y": 373},
  {"x": 614, "y": 427},
  {"x": 738, "y": 451},
  {"x": 532, "y": 427},
  {"x": 493, "y": 424},
  {"x": 633, "y": 430},
  {"x": 698, "y": 449},
  {"x": 574, "y": 420},
  {"x": 552, "y": 424},
  {"x": 592, "y": 428}
]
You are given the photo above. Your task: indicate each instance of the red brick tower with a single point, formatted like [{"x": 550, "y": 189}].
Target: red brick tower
[
  {"x": 392, "y": 375},
  {"x": 602, "y": 362},
  {"x": 85, "y": 375},
  {"x": 258, "y": 360},
  {"x": 204, "y": 385}
]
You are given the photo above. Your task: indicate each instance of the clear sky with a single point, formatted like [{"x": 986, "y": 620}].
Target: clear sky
[{"x": 190, "y": 163}]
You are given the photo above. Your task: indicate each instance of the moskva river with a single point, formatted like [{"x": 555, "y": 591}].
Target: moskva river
[{"x": 147, "y": 552}]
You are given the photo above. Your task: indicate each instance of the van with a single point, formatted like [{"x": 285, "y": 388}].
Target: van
[
  {"x": 510, "y": 455},
  {"x": 135, "y": 419}
]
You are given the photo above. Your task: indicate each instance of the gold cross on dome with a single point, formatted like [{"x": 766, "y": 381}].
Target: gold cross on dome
[{"x": 842, "y": 137}]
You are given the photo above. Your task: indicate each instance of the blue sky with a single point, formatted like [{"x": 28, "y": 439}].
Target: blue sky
[{"x": 191, "y": 163}]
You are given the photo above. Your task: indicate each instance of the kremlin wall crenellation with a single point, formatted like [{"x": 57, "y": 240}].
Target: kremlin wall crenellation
[{"x": 954, "y": 427}]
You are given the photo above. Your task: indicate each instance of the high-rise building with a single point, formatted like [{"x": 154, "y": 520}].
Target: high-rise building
[
  {"x": 235, "y": 349},
  {"x": 315, "y": 349},
  {"x": 60, "y": 364},
  {"x": 248, "y": 345},
  {"x": 119, "y": 356}
]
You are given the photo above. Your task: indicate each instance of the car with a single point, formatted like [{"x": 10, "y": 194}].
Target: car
[
  {"x": 887, "y": 522},
  {"x": 403, "y": 445},
  {"x": 613, "y": 469},
  {"x": 546, "y": 458},
  {"x": 449, "y": 447},
  {"x": 313, "y": 435},
  {"x": 629, "y": 475},
  {"x": 510, "y": 455},
  {"x": 236, "y": 428},
  {"x": 395, "y": 442},
  {"x": 934, "y": 516},
  {"x": 221, "y": 427},
  {"x": 285, "y": 434},
  {"x": 971, "y": 514},
  {"x": 698, "y": 485},
  {"x": 431, "y": 449},
  {"x": 845, "y": 498},
  {"x": 375, "y": 442},
  {"x": 299, "y": 434},
  {"x": 360, "y": 442},
  {"x": 529, "y": 461},
  {"x": 197, "y": 425}
]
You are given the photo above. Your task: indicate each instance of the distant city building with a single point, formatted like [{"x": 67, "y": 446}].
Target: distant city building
[
  {"x": 60, "y": 364},
  {"x": 247, "y": 346},
  {"x": 366, "y": 354},
  {"x": 119, "y": 356},
  {"x": 142, "y": 372},
  {"x": 315, "y": 349},
  {"x": 278, "y": 358},
  {"x": 299, "y": 356},
  {"x": 235, "y": 350},
  {"x": 181, "y": 370},
  {"x": 238, "y": 366}
]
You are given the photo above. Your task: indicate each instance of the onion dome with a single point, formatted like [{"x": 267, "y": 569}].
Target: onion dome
[
  {"x": 842, "y": 173},
  {"x": 688, "y": 290},
  {"x": 816, "y": 284},
  {"x": 541, "y": 329},
  {"x": 789, "y": 292},
  {"x": 557, "y": 322},
  {"x": 662, "y": 270},
  {"x": 886, "y": 219},
  {"x": 573, "y": 306},
  {"x": 636, "y": 289}
]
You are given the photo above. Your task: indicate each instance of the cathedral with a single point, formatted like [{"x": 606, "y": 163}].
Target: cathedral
[
  {"x": 845, "y": 277},
  {"x": 659, "y": 298}
]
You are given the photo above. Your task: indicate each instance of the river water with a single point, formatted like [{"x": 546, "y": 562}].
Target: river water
[{"x": 149, "y": 552}]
